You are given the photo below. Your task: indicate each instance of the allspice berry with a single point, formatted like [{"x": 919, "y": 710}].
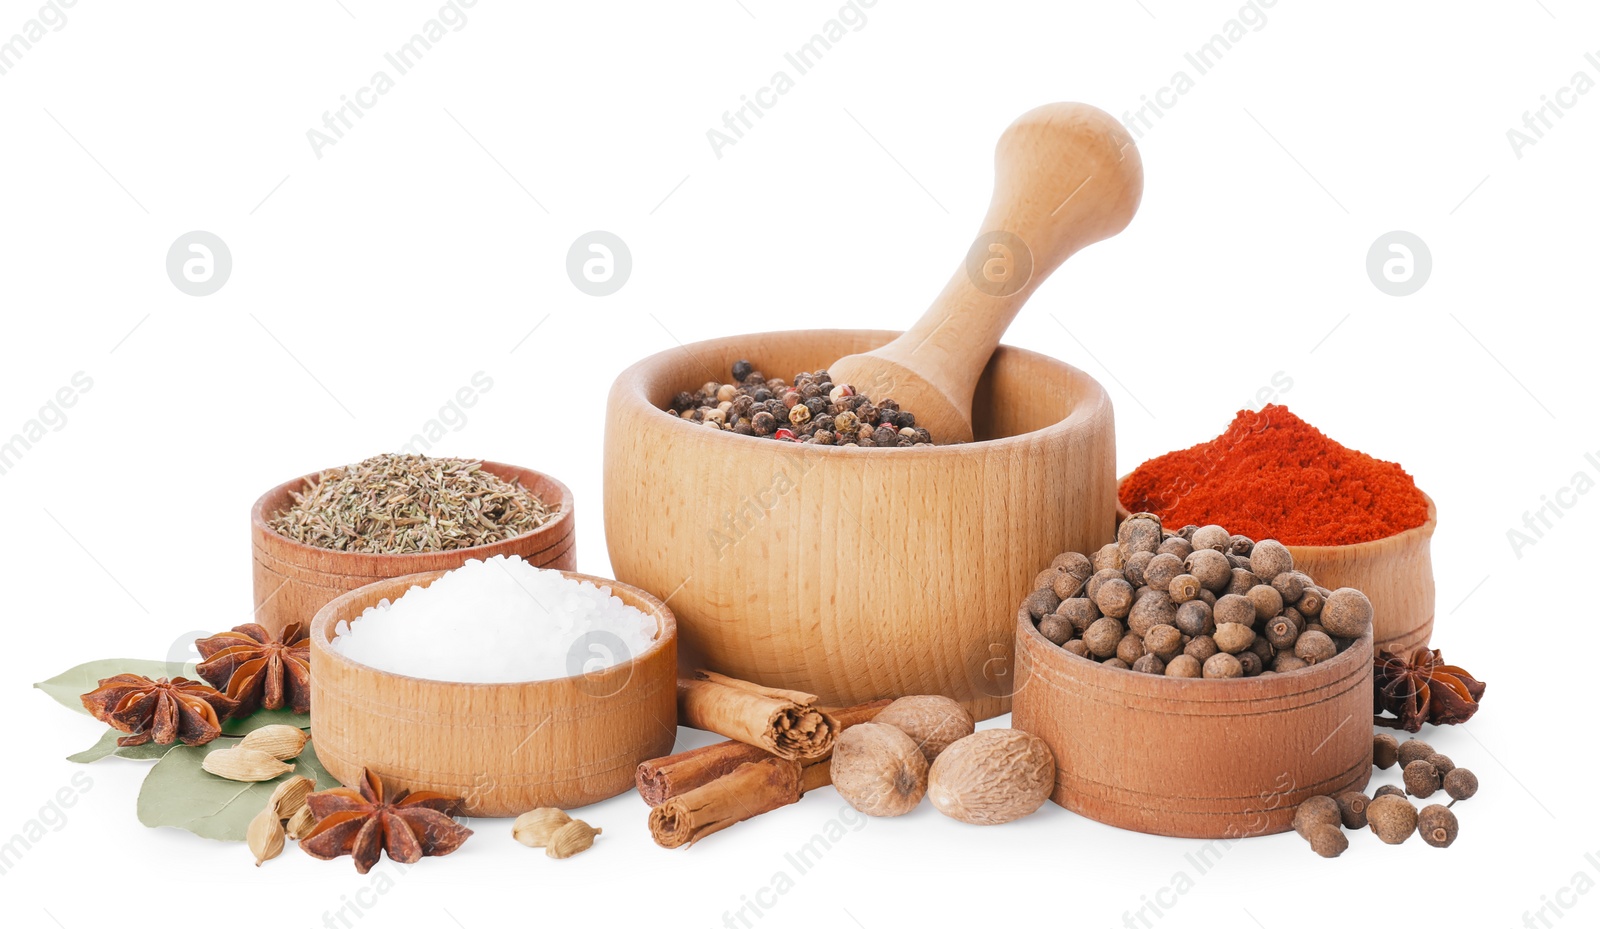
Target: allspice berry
[
  {"x": 1102, "y": 637},
  {"x": 1057, "y": 628},
  {"x": 1175, "y": 545},
  {"x": 1184, "y": 588},
  {"x": 1314, "y": 811},
  {"x": 1211, "y": 567},
  {"x": 1133, "y": 569},
  {"x": 1150, "y": 664},
  {"x": 1413, "y": 750},
  {"x": 1243, "y": 579},
  {"x": 1441, "y": 763},
  {"x": 1116, "y": 663},
  {"x": 1327, "y": 841},
  {"x": 1460, "y": 783},
  {"x": 1201, "y": 648},
  {"x": 1041, "y": 602},
  {"x": 1131, "y": 648},
  {"x": 1233, "y": 608},
  {"x": 1281, "y": 632},
  {"x": 1422, "y": 779},
  {"x": 1310, "y": 602},
  {"x": 1151, "y": 609},
  {"x": 1080, "y": 611},
  {"x": 1222, "y": 665},
  {"x": 1353, "y": 809},
  {"x": 1233, "y": 638},
  {"x": 1268, "y": 602},
  {"x": 1161, "y": 571},
  {"x": 1194, "y": 617},
  {"x": 1388, "y": 790},
  {"x": 1285, "y": 662},
  {"x": 1215, "y": 538},
  {"x": 1290, "y": 585},
  {"x": 1392, "y": 819},
  {"x": 1114, "y": 598},
  {"x": 1312, "y": 647},
  {"x": 1140, "y": 532},
  {"x": 1074, "y": 563},
  {"x": 1163, "y": 641},
  {"x": 1066, "y": 584},
  {"x": 1077, "y": 647},
  {"x": 1251, "y": 663},
  {"x": 1109, "y": 556},
  {"x": 1347, "y": 613},
  {"x": 1437, "y": 825},
  {"x": 1385, "y": 750},
  {"x": 1184, "y": 666},
  {"x": 1270, "y": 558}
]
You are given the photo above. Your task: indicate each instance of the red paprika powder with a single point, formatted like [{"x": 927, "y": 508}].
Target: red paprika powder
[{"x": 1272, "y": 475}]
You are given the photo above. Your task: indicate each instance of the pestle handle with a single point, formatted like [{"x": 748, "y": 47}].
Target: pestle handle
[{"x": 1066, "y": 175}]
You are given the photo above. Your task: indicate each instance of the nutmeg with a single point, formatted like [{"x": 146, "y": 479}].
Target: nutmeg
[
  {"x": 992, "y": 776},
  {"x": 932, "y": 721},
  {"x": 879, "y": 770}
]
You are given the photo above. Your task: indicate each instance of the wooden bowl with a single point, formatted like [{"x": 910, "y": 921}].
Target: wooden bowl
[
  {"x": 504, "y": 748},
  {"x": 1396, "y": 574},
  {"x": 854, "y": 573},
  {"x": 293, "y": 580},
  {"x": 1195, "y": 758}
]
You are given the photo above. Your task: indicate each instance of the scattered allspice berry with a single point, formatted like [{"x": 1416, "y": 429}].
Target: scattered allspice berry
[
  {"x": 1385, "y": 750},
  {"x": 1388, "y": 790},
  {"x": 1421, "y": 778},
  {"x": 1327, "y": 841},
  {"x": 572, "y": 838},
  {"x": 1441, "y": 763},
  {"x": 1353, "y": 809},
  {"x": 1437, "y": 825},
  {"x": 1413, "y": 750},
  {"x": 535, "y": 827},
  {"x": 1313, "y": 811},
  {"x": 1392, "y": 819},
  {"x": 1460, "y": 784}
]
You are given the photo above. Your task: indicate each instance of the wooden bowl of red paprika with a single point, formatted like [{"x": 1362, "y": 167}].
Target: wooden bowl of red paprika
[{"x": 1349, "y": 520}]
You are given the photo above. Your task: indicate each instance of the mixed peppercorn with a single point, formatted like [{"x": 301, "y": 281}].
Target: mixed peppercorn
[{"x": 813, "y": 411}]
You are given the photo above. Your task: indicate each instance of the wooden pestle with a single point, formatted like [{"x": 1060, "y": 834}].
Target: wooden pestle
[{"x": 1066, "y": 175}]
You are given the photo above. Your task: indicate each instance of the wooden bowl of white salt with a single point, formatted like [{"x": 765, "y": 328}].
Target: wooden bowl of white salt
[{"x": 503, "y": 747}]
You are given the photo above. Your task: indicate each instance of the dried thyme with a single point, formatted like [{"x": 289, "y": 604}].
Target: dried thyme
[{"x": 398, "y": 504}]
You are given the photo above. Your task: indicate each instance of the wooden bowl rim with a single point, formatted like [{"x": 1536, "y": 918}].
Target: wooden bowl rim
[
  {"x": 258, "y": 522},
  {"x": 631, "y": 386},
  {"x": 322, "y": 622},
  {"x": 1361, "y": 549},
  {"x": 1211, "y": 690}
]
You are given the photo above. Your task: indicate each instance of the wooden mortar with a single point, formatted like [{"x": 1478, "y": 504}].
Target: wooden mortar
[
  {"x": 854, "y": 573},
  {"x": 293, "y": 580},
  {"x": 1195, "y": 758},
  {"x": 504, "y": 748},
  {"x": 1395, "y": 572}
]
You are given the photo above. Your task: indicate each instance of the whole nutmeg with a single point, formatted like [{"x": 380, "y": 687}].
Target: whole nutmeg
[
  {"x": 879, "y": 770},
  {"x": 932, "y": 721},
  {"x": 1385, "y": 750},
  {"x": 1327, "y": 841},
  {"x": 1413, "y": 750},
  {"x": 1421, "y": 778},
  {"x": 1347, "y": 613},
  {"x": 1313, "y": 647},
  {"x": 1103, "y": 636},
  {"x": 1392, "y": 818},
  {"x": 1313, "y": 811},
  {"x": 1183, "y": 666},
  {"x": 1437, "y": 825},
  {"x": 991, "y": 777},
  {"x": 1353, "y": 809},
  {"x": 1270, "y": 558},
  {"x": 1460, "y": 784},
  {"x": 1222, "y": 665},
  {"x": 1233, "y": 638}
]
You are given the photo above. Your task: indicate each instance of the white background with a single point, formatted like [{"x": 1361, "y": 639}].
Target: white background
[{"x": 372, "y": 283}]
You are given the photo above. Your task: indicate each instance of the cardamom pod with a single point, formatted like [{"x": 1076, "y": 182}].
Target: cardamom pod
[
  {"x": 281, "y": 742},
  {"x": 301, "y": 822},
  {"x": 535, "y": 827},
  {"x": 264, "y": 836},
  {"x": 244, "y": 764},
  {"x": 290, "y": 797},
  {"x": 571, "y": 839}
]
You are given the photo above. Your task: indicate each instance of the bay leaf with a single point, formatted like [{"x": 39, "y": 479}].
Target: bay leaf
[
  {"x": 260, "y": 718},
  {"x": 179, "y": 793},
  {"x": 107, "y": 746},
  {"x": 68, "y": 687}
]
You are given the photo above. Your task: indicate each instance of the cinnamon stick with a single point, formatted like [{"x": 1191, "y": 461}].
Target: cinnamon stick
[
  {"x": 785, "y": 723},
  {"x": 751, "y": 789},
  {"x": 661, "y": 779}
]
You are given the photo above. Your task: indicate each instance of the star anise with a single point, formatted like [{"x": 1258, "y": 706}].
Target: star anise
[
  {"x": 1420, "y": 688},
  {"x": 161, "y": 710},
  {"x": 258, "y": 670},
  {"x": 409, "y": 827}
]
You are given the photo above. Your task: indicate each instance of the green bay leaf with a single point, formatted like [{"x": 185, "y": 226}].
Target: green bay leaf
[
  {"x": 179, "y": 793},
  {"x": 68, "y": 687},
  {"x": 107, "y": 746},
  {"x": 260, "y": 718}
]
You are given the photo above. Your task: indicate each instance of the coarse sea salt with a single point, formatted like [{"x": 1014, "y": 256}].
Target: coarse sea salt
[{"x": 497, "y": 621}]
